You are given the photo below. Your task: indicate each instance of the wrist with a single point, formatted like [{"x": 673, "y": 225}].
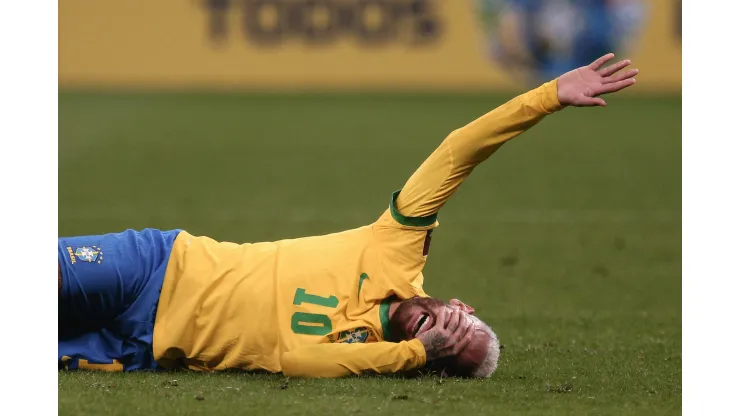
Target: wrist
[{"x": 550, "y": 97}]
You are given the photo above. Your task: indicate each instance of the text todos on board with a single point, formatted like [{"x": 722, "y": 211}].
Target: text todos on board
[{"x": 369, "y": 22}]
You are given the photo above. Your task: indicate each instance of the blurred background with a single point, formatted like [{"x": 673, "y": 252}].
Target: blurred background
[
  {"x": 360, "y": 44},
  {"x": 250, "y": 120}
]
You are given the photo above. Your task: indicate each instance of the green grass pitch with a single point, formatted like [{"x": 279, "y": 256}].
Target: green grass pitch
[{"x": 567, "y": 241}]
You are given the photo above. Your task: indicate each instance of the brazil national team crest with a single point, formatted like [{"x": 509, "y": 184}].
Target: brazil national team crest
[
  {"x": 353, "y": 336},
  {"x": 86, "y": 254}
]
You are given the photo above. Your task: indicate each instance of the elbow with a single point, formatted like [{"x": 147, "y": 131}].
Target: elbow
[{"x": 454, "y": 133}]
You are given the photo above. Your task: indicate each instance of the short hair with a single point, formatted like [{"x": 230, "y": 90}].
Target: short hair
[
  {"x": 453, "y": 367},
  {"x": 490, "y": 363}
]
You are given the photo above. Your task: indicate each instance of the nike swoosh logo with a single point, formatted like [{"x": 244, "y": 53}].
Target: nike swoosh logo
[{"x": 362, "y": 279}]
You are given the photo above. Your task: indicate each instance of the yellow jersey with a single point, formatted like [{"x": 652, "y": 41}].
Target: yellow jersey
[{"x": 319, "y": 306}]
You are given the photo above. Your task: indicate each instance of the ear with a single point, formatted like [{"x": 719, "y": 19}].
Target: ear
[{"x": 458, "y": 303}]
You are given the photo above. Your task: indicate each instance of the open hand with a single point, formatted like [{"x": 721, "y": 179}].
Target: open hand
[
  {"x": 451, "y": 333},
  {"x": 581, "y": 87}
]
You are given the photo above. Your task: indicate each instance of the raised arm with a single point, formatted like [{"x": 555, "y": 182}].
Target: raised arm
[
  {"x": 441, "y": 174},
  {"x": 404, "y": 230}
]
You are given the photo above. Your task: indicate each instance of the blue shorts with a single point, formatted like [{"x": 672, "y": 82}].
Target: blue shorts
[{"x": 108, "y": 300}]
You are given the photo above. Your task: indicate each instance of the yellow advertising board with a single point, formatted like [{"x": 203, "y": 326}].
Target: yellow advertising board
[{"x": 353, "y": 44}]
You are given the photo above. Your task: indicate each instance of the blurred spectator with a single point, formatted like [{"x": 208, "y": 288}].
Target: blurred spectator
[{"x": 546, "y": 37}]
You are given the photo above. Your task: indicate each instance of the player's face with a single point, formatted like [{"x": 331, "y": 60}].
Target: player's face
[{"x": 416, "y": 315}]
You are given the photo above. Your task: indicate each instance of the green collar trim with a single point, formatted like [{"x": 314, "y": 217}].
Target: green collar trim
[
  {"x": 410, "y": 221},
  {"x": 385, "y": 319}
]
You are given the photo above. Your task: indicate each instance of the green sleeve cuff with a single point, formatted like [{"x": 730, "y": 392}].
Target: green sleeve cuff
[{"x": 410, "y": 221}]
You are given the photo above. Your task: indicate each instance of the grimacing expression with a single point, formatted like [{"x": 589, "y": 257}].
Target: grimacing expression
[{"x": 416, "y": 315}]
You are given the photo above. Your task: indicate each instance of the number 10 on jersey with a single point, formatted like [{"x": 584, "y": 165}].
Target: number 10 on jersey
[{"x": 312, "y": 323}]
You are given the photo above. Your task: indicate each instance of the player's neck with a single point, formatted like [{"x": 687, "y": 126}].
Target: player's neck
[{"x": 392, "y": 308}]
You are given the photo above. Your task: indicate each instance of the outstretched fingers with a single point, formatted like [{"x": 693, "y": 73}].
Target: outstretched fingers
[
  {"x": 615, "y": 86},
  {"x": 613, "y": 69},
  {"x": 621, "y": 76},
  {"x": 595, "y": 65},
  {"x": 592, "y": 101}
]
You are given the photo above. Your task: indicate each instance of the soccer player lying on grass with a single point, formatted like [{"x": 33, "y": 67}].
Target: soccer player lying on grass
[{"x": 325, "y": 306}]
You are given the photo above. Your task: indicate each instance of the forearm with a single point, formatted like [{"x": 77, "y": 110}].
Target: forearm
[
  {"x": 338, "y": 360},
  {"x": 441, "y": 174}
]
